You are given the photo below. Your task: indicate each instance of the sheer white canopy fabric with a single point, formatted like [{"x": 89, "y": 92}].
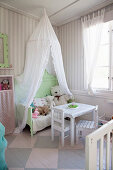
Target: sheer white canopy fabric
[
  {"x": 92, "y": 28},
  {"x": 42, "y": 44}
]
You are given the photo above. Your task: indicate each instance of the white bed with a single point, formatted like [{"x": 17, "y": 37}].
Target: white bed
[{"x": 41, "y": 122}]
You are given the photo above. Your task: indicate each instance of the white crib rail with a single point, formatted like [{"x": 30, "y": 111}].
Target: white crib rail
[{"x": 91, "y": 147}]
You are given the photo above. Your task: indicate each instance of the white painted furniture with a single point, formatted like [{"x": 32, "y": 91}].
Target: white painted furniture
[
  {"x": 7, "y": 71},
  {"x": 59, "y": 123},
  {"x": 82, "y": 109},
  {"x": 7, "y": 116},
  {"x": 102, "y": 135},
  {"x": 84, "y": 127}
]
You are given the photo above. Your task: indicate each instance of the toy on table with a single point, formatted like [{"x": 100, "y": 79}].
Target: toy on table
[
  {"x": 73, "y": 106},
  {"x": 5, "y": 84}
]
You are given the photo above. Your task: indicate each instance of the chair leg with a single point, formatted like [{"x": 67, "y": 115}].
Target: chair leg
[
  {"x": 62, "y": 139},
  {"x": 52, "y": 133},
  {"x": 77, "y": 136}
]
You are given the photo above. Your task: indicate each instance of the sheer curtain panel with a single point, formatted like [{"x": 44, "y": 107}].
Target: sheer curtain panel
[{"x": 92, "y": 28}]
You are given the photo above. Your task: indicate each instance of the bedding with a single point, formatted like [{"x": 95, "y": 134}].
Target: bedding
[
  {"x": 40, "y": 101},
  {"x": 41, "y": 122}
]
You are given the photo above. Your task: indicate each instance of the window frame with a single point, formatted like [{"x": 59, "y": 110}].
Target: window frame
[{"x": 108, "y": 90}]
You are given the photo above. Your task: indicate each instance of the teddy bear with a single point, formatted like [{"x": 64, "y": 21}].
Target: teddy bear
[
  {"x": 50, "y": 101},
  {"x": 59, "y": 97},
  {"x": 43, "y": 110},
  {"x": 40, "y": 110},
  {"x": 5, "y": 84}
]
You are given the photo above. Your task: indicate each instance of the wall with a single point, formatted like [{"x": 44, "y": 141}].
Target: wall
[
  {"x": 70, "y": 37},
  {"x": 72, "y": 49},
  {"x": 18, "y": 28}
]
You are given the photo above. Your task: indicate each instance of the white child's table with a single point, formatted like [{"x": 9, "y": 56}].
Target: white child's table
[{"x": 72, "y": 113}]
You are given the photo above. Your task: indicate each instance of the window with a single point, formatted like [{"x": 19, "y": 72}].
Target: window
[{"x": 103, "y": 75}]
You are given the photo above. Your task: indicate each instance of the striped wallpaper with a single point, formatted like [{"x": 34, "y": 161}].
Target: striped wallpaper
[
  {"x": 72, "y": 49},
  {"x": 18, "y": 28}
]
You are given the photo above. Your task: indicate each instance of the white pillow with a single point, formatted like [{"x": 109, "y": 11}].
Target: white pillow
[{"x": 39, "y": 102}]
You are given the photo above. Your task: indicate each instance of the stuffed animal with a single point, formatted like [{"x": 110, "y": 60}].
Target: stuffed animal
[
  {"x": 43, "y": 110},
  {"x": 35, "y": 113},
  {"x": 59, "y": 97},
  {"x": 50, "y": 101},
  {"x": 5, "y": 84}
]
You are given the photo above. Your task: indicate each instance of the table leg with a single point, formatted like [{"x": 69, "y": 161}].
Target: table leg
[{"x": 72, "y": 130}]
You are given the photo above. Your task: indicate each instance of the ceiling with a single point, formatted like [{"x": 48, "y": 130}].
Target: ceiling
[{"x": 59, "y": 11}]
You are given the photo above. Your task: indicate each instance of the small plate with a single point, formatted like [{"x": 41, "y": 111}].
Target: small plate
[{"x": 71, "y": 106}]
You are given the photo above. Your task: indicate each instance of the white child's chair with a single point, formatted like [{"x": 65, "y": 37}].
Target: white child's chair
[
  {"x": 84, "y": 127},
  {"x": 59, "y": 123}
]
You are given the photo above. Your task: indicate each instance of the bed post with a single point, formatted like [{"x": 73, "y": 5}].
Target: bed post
[{"x": 29, "y": 120}]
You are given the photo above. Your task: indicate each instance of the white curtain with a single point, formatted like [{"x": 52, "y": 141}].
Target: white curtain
[
  {"x": 92, "y": 28},
  {"x": 42, "y": 44}
]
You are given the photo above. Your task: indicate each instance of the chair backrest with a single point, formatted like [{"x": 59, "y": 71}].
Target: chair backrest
[{"x": 58, "y": 119}]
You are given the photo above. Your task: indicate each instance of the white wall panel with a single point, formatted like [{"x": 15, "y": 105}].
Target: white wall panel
[{"x": 72, "y": 49}]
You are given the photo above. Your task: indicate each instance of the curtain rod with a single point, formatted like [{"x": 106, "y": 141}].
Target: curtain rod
[{"x": 90, "y": 13}]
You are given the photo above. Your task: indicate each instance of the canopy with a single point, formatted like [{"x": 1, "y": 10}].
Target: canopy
[{"x": 42, "y": 44}]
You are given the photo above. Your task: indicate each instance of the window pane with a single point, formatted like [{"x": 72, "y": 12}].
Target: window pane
[
  {"x": 101, "y": 78},
  {"x": 103, "y": 57}
]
